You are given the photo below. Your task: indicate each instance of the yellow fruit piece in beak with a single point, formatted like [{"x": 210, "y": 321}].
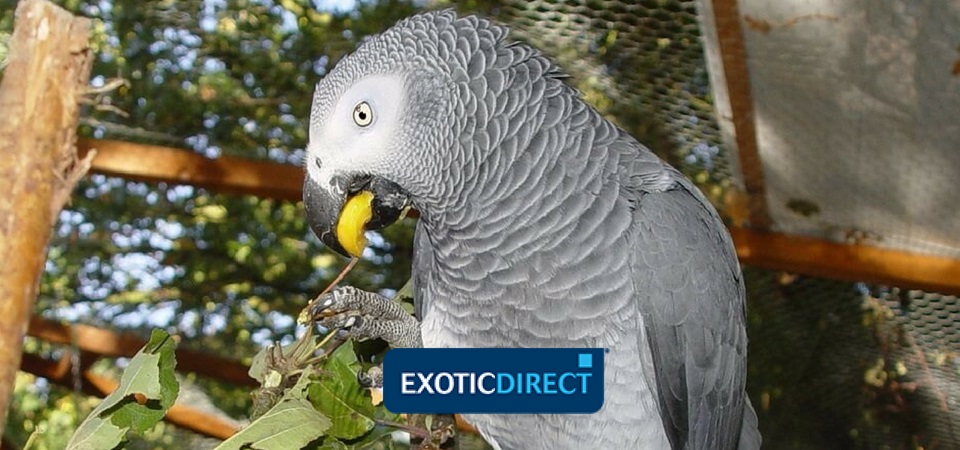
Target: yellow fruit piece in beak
[{"x": 353, "y": 218}]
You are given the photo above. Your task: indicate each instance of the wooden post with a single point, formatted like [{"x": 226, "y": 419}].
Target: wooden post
[{"x": 46, "y": 76}]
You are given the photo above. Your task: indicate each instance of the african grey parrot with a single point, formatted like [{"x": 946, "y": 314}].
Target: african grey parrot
[{"x": 541, "y": 225}]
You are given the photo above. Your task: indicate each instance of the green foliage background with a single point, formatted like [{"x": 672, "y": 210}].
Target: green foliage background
[{"x": 228, "y": 274}]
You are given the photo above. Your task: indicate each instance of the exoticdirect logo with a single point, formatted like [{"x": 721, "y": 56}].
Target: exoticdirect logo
[{"x": 493, "y": 380}]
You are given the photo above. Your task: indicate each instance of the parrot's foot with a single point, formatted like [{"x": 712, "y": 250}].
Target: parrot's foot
[
  {"x": 373, "y": 378},
  {"x": 365, "y": 315}
]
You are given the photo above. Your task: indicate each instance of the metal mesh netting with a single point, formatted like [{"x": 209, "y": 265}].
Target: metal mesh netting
[
  {"x": 855, "y": 105},
  {"x": 641, "y": 63},
  {"x": 841, "y": 365},
  {"x": 833, "y": 364}
]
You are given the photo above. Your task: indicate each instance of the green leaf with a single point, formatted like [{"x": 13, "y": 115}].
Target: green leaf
[
  {"x": 405, "y": 293},
  {"x": 333, "y": 444},
  {"x": 147, "y": 389},
  {"x": 291, "y": 424},
  {"x": 405, "y": 296},
  {"x": 260, "y": 368},
  {"x": 341, "y": 398},
  {"x": 380, "y": 438}
]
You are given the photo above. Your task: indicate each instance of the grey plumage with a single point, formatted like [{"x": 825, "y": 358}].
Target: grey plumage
[{"x": 544, "y": 225}]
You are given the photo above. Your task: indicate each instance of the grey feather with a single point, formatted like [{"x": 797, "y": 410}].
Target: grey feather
[
  {"x": 692, "y": 300},
  {"x": 544, "y": 225}
]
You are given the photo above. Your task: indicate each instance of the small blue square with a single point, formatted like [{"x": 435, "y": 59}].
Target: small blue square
[{"x": 586, "y": 361}]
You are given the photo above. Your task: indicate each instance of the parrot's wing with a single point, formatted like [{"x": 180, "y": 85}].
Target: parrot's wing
[{"x": 691, "y": 299}]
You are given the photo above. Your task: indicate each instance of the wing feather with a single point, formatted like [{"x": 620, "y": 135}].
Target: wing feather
[{"x": 692, "y": 303}]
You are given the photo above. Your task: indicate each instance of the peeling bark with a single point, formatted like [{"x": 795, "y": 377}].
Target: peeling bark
[{"x": 45, "y": 78}]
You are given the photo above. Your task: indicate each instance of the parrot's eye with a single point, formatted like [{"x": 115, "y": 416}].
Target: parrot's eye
[{"x": 362, "y": 114}]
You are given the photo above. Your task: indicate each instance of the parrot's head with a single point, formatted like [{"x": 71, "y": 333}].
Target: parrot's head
[{"x": 386, "y": 127}]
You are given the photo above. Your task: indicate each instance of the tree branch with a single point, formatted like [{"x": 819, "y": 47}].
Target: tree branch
[{"x": 47, "y": 74}]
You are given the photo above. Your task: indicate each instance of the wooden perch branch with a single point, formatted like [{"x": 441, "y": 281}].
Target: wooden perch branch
[{"x": 46, "y": 75}]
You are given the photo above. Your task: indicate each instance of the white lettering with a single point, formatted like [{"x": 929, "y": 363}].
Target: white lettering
[
  {"x": 443, "y": 376},
  {"x": 460, "y": 383},
  {"x": 407, "y": 379},
  {"x": 480, "y": 379},
  {"x": 425, "y": 383}
]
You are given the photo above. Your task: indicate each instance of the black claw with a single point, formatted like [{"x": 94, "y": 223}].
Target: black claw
[
  {"x": 316, "y": 308},
  {"x": 320, "y": 309},
  {"x": 364, "y": 380},
  {"x": 372, "y": 378},
  {"x": 357, "y": 322},
  {"x": 341, "y": 322}
]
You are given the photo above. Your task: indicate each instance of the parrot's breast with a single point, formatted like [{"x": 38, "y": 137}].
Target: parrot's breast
[{"x": 571, "y": 285}]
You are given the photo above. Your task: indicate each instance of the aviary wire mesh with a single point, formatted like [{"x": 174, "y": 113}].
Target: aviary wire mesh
[
  {"x": 855, "y": 104},
  {"x": 641, "y": 63},
  {"x": 833, "y": 364}
]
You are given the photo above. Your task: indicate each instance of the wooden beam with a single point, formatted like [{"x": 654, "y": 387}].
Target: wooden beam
[
  {"x": 802, "y": 255},
  {"x": 59, "y": 372},
  {"x": 733, "y": 55},
  {"x": 107, "y": 343},
  {"x": 46, "y": 75},
  {"x": 853, "y": 262},
  {"x": 228, "y": 174}
]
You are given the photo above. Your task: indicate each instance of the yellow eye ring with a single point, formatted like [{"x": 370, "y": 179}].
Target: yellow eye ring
[{"x": 363, "y": 114}]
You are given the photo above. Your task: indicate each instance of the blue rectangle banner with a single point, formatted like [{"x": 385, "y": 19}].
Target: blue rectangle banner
[{"x": 493, "y": 380}]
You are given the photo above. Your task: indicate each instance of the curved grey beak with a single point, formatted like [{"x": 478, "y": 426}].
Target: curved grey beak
[{"x": 323, "y": 211}]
